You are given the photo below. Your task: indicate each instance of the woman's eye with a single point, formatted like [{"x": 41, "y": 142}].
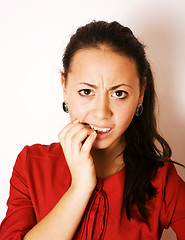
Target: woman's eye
[
  {"x": 85, "y": 92},
  {"x": 120, "y": 94}
]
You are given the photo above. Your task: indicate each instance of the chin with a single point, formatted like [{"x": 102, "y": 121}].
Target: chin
[
  {"x": 101, "y": 145},
  {"x": 109, "y": 143}
]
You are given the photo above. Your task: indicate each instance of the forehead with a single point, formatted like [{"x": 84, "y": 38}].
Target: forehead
[{"x": 101, "y": 64}]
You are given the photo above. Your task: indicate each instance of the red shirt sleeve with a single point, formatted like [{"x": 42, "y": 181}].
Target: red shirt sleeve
[
  {"x": 20, "y": 217},
  {"x": 174, "y": 202}
]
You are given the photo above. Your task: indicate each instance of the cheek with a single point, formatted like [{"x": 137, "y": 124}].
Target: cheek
[
  {"x": 76, "y": 110},
  {"x": 125, "y": 115}
]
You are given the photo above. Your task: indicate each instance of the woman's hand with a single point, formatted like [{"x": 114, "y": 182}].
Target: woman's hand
[
  {"x": 76, "y": 140},
  {"x": 61, "y": 223}
]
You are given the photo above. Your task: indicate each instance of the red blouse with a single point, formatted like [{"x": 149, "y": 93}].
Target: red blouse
[{"x": 41, "y": 177}]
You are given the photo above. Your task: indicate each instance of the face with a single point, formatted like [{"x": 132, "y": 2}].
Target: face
[{"x": 103, "y": 90}]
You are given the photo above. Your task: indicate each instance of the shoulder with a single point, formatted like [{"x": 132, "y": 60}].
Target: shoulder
[
  {"x": 168, "y": 171},
  {"x": 40, "y": 154},
  {"x": 171, "y": 193},
  {"x": 54, "y": 149},
  {"x": 41, "y": 150},
  {"x": 168, "y": 180}
]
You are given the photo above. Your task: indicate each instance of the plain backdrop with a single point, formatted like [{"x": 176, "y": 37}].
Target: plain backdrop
[{"x": 33, "y": 35}]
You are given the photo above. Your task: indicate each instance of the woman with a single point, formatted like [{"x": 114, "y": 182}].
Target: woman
[{"x": 111, "y": 176}]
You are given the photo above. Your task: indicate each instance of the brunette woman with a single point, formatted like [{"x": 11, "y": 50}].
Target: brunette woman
[{"x": 110, "y": 176}]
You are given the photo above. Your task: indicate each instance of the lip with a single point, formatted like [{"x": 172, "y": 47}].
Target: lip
[{"x": 103, "y": 135}]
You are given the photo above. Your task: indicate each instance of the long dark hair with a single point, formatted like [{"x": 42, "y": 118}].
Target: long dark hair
[{"x": 145, "y": 149}]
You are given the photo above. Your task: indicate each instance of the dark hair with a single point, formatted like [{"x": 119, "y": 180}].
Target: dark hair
[{"x": 142, "y": 156}]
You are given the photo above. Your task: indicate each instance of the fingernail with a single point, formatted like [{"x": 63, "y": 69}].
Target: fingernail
[
  {"x": 93, "y": 133},
  {"x": 76, "y": 121}
]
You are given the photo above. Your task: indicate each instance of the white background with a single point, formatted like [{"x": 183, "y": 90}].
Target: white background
[{"x": 33, "y": 35}]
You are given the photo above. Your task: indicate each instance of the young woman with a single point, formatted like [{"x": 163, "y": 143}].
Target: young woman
[{"x": 110, "y": 176}]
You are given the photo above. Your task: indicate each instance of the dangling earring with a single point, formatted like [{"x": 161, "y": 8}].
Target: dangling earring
[
  {"x": 139, "y": 110},
  {"x": 65, "y": 107}
]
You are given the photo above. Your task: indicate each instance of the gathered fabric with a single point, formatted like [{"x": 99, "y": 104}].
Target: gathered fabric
[{"x": 41, "y": 177}]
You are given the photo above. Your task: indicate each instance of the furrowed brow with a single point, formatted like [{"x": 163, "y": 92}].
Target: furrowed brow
[
  {"x": 120, "y": 85},
  {"x": 88, "y": 84},
  {"x": 112, "y": 88}
]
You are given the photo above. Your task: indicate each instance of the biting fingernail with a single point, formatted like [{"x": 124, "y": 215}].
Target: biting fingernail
[
  {"x": 76, "y": 121},
  {"x": 94, "y": 133}
]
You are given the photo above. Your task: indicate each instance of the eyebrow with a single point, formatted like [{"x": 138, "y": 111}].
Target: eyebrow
[{"x": 112, "y": 88}]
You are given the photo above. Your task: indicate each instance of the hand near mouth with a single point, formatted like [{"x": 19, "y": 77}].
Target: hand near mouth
[{"x": 76, "y": 140}]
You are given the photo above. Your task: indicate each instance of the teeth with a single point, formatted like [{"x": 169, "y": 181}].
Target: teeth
[{"x": 100, "y": 129}]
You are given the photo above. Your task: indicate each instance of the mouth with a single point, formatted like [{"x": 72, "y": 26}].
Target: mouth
[{"x": 100, "y": 130}]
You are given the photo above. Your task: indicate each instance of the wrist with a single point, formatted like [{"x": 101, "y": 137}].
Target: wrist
[{"x": 82, "y": 190}]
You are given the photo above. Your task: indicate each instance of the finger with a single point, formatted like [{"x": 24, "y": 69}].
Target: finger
[
  {"x": 80, "y": 137},
  {"x": 63, "y": 132},
  {"x": 86, "y": 148},
  {"x": 66, "y": 128},
  {"x": 71, "y": 138},
  {"x": 75, "y": 137}
]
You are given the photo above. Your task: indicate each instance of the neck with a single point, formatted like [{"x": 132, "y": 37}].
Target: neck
[
  {"x": 108, "y": 161},
  {"x": 111, "y": 152}
]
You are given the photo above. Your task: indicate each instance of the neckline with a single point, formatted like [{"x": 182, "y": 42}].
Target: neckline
[{"x": 99, "y": 179}]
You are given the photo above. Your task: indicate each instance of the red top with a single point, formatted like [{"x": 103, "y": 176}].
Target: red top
[{"x": 41, "y": 177}]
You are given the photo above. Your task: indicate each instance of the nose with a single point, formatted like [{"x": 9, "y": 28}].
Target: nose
[{"x": 101, "y": 108}]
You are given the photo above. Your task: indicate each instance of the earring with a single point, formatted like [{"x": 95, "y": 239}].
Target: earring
[
  {"x": 65, "y": 107},
  {"x": 139, "y": 110}
]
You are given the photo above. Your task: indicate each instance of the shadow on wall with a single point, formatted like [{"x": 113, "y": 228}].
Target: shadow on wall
[
  {"x": 161, "y": 33},
  {"x": 162, "y": 39}
]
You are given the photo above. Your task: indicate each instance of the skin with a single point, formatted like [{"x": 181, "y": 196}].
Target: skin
[
  {"x": 87, "y": 153},
  {"x": 103, "y": 89}
]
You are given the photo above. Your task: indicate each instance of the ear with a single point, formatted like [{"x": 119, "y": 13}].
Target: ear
[
  {"x": 63, "y": 82},
  {"x": 142, "y": 91}
]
